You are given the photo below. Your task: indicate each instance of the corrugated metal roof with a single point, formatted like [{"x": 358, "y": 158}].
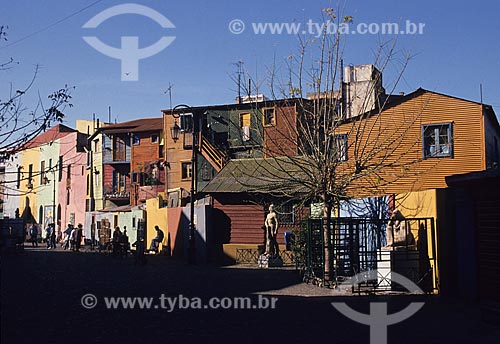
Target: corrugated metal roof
[
  {"x": 138, "y": 125},
  {"x": 277, "y": 176}
]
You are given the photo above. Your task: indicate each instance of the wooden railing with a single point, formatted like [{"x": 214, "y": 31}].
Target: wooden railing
[{"x": 214, "y": 155}]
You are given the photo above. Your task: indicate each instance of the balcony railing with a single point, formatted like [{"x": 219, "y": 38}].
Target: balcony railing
[
  {"x": 113, "y": 193},
  {"x": 117, "y": 196}
]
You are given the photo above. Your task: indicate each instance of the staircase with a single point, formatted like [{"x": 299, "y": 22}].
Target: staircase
[{"x": 214, "y": 155}]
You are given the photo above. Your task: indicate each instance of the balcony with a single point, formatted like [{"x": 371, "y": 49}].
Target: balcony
[{"x": 114, "y": 193}]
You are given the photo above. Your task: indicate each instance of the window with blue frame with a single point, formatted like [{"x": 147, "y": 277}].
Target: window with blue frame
[{"x": 437, "y": 140}]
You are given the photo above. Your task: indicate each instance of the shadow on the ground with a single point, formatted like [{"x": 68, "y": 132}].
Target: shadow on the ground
[{"x": 41, "y": 302}]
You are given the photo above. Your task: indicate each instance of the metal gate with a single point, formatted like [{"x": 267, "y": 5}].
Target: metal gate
[{"x": 357, "y": 245}]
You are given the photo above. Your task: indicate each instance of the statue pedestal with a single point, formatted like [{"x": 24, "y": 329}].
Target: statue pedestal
[
  {"x": 400, "y": 260},
  {"x": 266, "y": 261}
]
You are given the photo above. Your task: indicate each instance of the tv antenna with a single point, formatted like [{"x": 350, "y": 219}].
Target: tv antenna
[{"x": 169, "y": 90}]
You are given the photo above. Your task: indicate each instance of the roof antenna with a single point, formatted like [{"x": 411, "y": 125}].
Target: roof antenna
[
  {"x": 109, "y": 114},
  {"x": 169, "y": 90},
  {"x": 239, "y": 72},
  {"x": 481, "y": 92}
]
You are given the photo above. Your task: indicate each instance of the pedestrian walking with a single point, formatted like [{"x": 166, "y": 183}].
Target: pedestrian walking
[
  {"x": 34, "y": 235},
  {"x": 72, "y": 237},
  {"x": 67, "y": 236},
  {"x": 47, "y": 235},
  {"x": 53, "y": 237}
]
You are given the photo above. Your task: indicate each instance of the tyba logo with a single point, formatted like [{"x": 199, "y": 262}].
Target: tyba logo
[
  {"x": 378, "y": 319},
  {"x": 129, "y": 53}
]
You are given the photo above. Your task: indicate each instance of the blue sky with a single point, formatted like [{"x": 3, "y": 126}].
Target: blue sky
[{"x": 457, "y": 51}]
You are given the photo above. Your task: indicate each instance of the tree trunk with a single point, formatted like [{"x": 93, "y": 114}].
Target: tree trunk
[{"x": 327, "y": 210}]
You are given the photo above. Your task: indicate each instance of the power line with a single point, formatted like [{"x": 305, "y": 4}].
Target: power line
[{"x": 51, "y": 25}]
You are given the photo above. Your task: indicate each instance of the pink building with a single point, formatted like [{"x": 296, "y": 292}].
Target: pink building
[{"x": 72, "y": 189}]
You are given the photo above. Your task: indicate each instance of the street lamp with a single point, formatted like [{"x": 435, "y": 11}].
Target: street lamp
[{"x": 175, "y": 130}]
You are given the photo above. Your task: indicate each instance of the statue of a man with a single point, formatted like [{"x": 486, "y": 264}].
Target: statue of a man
[
  {"x": 398, "y": 231},
  {"x": 271, "y": 224}
]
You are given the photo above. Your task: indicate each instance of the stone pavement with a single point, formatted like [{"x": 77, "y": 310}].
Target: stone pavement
[{"x": 41, "y": 302}]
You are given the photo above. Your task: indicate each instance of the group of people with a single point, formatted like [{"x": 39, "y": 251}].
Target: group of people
[
  {"x": 72, "y": 236},
  {"x": 120, "y": 241}
]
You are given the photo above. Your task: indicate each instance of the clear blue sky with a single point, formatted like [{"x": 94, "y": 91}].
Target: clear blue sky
[{"x": 458, "y": 50}]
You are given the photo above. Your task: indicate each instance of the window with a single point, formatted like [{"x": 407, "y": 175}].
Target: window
[
  {"x": 245, "y": 126},
  {"x": 185, "y": 170},
  {"x": 96, "y": 146},
  {"x": 18, "y": 184},
  {"x": 154, "y": 138},
  {"x": 42, "y": 172},
  {"x": 206, "y": 174},
  {"x": 135, "y": 177},
  {"x": 119, "y": 182},
  {"x": 286, "y": 214},
  {"x": 437, "y": 140},
  {"x": 30, "y": 176},
  {"x": 338, "y": 147},
  {"x": 68, "y": 174},
  {"x": 161, "y": 151},
  {"x": 135, "y": 140},
  {"x": 186, "y": 122},
  {"x": 269, "y": 118},
  {"x": 60, "y": 167},
  {"x": 119, "y": 149}
]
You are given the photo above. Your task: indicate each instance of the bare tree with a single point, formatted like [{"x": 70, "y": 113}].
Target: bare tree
[
  {"x": 20, "y": 123},
  {"x": 346, "y": 144}
]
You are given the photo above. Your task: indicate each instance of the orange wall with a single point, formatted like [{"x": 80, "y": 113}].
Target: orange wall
[{"x": 389, "y": 146}]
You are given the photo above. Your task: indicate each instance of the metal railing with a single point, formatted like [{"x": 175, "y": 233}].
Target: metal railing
[{"x": 357, "y": 245}]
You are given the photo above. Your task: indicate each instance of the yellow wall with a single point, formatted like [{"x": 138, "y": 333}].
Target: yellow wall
[
  {"x": 230, "y": 249},
  {"x": 156, "y": 216},
  {"x": 419, "y": 205},
  {"x": 30, "y": 156}
]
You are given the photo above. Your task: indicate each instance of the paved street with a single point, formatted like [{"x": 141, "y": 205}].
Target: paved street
[{"x": 41, "y": 294}]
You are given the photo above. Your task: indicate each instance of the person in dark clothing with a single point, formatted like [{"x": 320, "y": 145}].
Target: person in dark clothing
[
  {"x": 34, "y": 235},
  {"x": 78, "y": 237},
  {"x": 124, "y": 243},
  {"x": 48, "y": 232},
  {"x": 67, "y": 236},
  {"x": 53, "y": 237},
  {"x": 155, "y": 242}
]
